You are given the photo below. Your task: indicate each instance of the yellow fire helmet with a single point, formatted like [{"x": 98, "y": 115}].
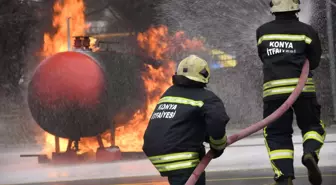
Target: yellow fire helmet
[
  {"x": 285, "y": 5},
  {"x": 194, "y": 68}
]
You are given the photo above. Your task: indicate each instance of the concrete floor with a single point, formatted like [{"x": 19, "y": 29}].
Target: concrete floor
[
  {"x": 248, "y": 177},
  {"x": 241, "y": 164}
]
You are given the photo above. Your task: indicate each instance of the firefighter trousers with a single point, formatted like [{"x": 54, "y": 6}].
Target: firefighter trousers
[
  {"x": 278, "y": 135},
  {"x": 180, "y": 177},
  {"x": 183, "y": 177}
]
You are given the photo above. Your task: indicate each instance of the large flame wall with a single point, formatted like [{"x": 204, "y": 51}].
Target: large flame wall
[{"x": 133, "y": 87}]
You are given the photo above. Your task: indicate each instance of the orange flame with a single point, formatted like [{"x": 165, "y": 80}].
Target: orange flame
[
  {"x": 161, "y": 46},
  {"x": 156, "y": 42},
  {"x": 73, "y": 9}
]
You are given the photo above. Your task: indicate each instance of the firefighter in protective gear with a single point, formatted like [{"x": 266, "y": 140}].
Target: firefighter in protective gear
[
  {"x": 283, "y": 46},
  {"x": 185, "y": 117}
]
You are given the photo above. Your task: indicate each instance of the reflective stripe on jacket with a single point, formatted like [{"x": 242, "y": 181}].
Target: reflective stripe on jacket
[
  {"x": 175, "y": 161},
  {"x": 283, "y": 45}
]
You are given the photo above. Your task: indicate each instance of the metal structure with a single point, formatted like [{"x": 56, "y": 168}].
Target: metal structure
[
  {"x": 332, "y": 59},
  {"x": 68, "y": 33},
  {"x": 71, "y": 155}
]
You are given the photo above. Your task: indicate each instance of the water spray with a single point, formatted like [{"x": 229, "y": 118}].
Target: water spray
[{"x": 255, "y": 127}]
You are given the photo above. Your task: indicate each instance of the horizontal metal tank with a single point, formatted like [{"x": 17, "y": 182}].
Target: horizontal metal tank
[{"x": 76, "y": 94}]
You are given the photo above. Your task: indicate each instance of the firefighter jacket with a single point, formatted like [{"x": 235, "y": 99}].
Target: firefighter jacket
[
  {"x": 178, "y": 127},
  {"x": 283, "y": 46}
]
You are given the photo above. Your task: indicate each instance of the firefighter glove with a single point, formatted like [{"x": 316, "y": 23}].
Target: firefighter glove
[
  {"x": 217, "y": 146},
  {"x": 217, "y": 153}
]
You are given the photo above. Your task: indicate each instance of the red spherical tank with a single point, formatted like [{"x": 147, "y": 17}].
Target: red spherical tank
[{"x": 67, "y": 96}]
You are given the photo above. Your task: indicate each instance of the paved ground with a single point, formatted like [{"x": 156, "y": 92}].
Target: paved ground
[
  {"x": 255, "y": 177},
  {"x": 248, "y": 154}
]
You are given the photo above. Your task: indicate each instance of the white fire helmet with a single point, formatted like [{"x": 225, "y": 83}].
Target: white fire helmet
[
  {"x": 194, "y": 68},
  {"x": 284, "y": 5}
]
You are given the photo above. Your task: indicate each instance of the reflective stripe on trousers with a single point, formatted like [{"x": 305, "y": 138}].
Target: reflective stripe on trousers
[
  {"x": 277, "y": 155},
  {"x": 175, "y": 161},
  {"x": 286, "y": 86},
  {"x": 281, "y": 154},
  {"x": 313, "y": 135}
]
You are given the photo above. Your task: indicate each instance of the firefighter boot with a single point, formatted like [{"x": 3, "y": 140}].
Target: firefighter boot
[
  {"x": 314, "y": 173},
  {"x": 288, "y": 181}
]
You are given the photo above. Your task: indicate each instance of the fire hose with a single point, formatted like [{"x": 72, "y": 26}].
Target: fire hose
[{"x": 256, "y": 126}]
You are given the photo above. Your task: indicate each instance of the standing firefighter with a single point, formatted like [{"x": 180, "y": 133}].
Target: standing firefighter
[
  {"x": 283, "y": 46},
  {"x": 186, "y": 115}
]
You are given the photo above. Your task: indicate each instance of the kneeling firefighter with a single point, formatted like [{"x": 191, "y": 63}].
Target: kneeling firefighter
[
  {"x": 283, "y": 46},
  {"x": 186, "y": 116}
]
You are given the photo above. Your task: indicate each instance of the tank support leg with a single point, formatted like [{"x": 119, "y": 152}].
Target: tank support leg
[
  {"x": 100, "y": 141},
  {"x": 57, "y": 145},
  {"x": 76, "y": 145},
  {"x": 112, "y": 133},
  {"x": 69, "y": 144}
]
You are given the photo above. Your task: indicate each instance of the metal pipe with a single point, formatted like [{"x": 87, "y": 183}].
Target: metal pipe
[
  {"x": 69, "y": 33},
  {"x": 331, "y": 57},
  {"x": 108, "y": 35},
  {"x": 332, "y": 3}
]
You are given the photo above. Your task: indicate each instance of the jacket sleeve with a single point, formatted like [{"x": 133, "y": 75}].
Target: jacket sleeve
[
  {"x": 314, "y": 51},
  {"x": 216, "y": 119},
  {"x": 258, "y": 47}
]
